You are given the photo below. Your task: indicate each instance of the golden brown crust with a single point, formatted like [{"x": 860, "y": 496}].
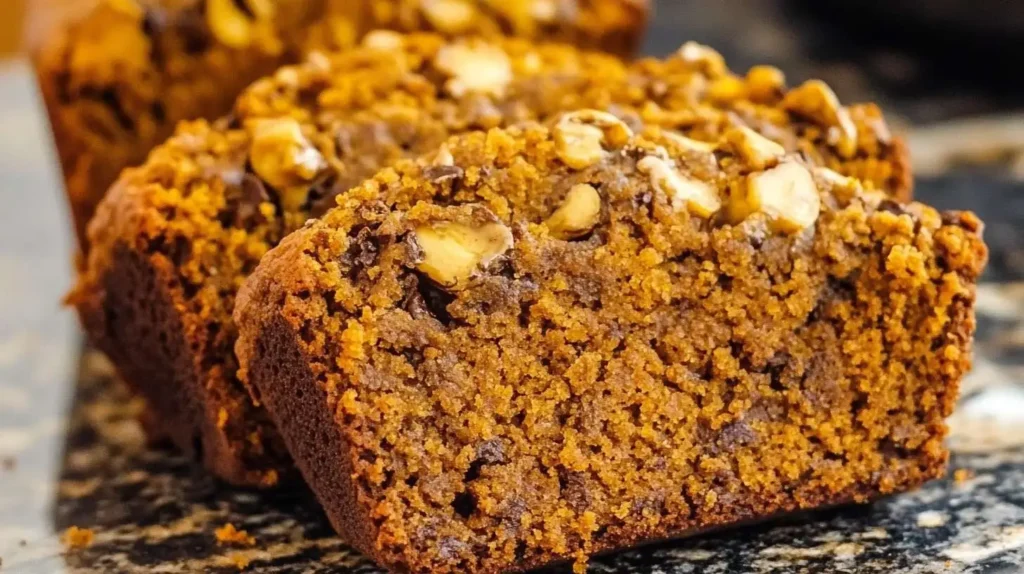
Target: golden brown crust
[
  {"x": 117, "y": 80},
  {"x": 690, "y": 361},
  {"x": 215, "y": 198}
]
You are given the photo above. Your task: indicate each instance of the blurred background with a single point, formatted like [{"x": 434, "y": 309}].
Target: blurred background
[{"x": 946, "y": 72}]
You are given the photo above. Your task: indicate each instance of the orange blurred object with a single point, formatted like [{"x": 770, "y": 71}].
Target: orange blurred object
[
  {"x": 24, "y": 22},
  {"x": 12, "y": 18}
]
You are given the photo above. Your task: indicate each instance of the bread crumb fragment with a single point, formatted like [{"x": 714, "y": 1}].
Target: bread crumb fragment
[
  {"x": 76, "y": 538},
  {"x": 228, "y": 534},
  {"x": 962, "y": 475}
]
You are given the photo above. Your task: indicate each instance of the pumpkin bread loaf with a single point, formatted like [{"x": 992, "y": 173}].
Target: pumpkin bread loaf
[
  {"x": 538, "y": 344},
  {"x": 175, "y": 238},
  {"x": 117, "y": 80}
]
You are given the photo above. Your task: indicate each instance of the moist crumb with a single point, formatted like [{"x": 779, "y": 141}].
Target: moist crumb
[
  {"x": 229, "y": 535},
  {"x": 962, "y": 475},
  {"x": 76, "y": 538},
  {"x": 580, "y": 337},
  {"x": 198, "y": 233}
]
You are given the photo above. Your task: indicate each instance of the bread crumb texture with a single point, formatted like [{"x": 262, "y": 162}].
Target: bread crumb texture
[
  {"x": 118, "y": 80},
  {"x": 734, "y": 334}
]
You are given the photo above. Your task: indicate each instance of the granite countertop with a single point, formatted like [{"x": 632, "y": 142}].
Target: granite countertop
[{"x": 73, "y": 453}]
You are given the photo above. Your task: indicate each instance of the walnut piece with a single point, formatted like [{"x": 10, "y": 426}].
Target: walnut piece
[
  {"x": 786, "y": 194},
  {"x": 579, "y": 213},
  {"x": 698, "y": 197},
  {"x": 581, "y": 137},
  {"x": 765, "y": 83},
  {"x": 454, "y": 252},
  {"x": 386, "y": 40},
  {"x": 449, "y": 16},
  {"x": 285, "y": 159},
  {"x": 481, "y": 68},
  {"x": 711, "y": 63},
  {"x": 816, "y": 101},
  {"x": 689, "y": 144},
  {"x": 755, "y": 149},
  {"x": 232, "y": 24}
]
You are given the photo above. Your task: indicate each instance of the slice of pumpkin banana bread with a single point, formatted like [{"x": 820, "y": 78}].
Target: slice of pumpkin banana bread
[
  {"x": 117, "y": 80},
  {"x": 175, "y": 238},
  {"x": 540, "y": 344}
]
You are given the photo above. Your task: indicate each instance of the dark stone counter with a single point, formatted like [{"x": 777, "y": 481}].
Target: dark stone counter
[{"x": 72, "y": 451}]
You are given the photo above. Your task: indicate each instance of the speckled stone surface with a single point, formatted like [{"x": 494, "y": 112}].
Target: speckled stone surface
[{"x": 73, "y": 453}]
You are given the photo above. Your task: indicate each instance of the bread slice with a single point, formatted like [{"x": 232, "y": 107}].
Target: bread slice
[{"x": 543, "y": 343}]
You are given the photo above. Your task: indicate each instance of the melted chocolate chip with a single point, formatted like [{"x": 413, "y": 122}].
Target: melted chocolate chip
[
  {"x": 193, "y": 30},
  {"x": 254, "y": 193},
  {"x": 440, "y": 174},
  {"x": 891, "y": 206}
]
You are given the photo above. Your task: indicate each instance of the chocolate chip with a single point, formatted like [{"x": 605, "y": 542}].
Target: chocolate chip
[
  {"x": 442, "y": 173},
  {"x": 193, "y": 30},
  {"x": 154, "y": 23},
  {"x": 574, "y": 489},
  {"x": 254, "y": 193},
  {"x": 891, "y": 206},
  {"x": 964, "y": 219}
]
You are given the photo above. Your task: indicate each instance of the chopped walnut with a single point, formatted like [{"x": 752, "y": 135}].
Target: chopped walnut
[
  {"x": 443, "y": 157},
  {"x": 449, "y": 16},
  {"x": 755, "y": 149},
  {"x": 454, "y": 252},
  {"x": 482, "y": 68},
  {"x": 579, "y": 213},
  {"x": 710, "y": 61},
  {"x": 765, "y": 83},
  {"x": 386, "y": 40},
  {"x": 787, "y": 195},
  {"x": 580, "y": 137},
  {"x": 285, "y": 159},
  {"x": 689, "y": 144},
  {"x": 544, "y": 10},
  {"x": 727, "y": 89},
  {"x": 698, "y": 197},
  {"x": 816, "y": 101},
  {"x": 232, "y": 24}
]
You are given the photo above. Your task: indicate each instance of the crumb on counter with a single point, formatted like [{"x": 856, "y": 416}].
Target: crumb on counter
[
  {"x": 75, "y": 537},
  {"x": 962, "y": 475},
  {"x": 8, "y": 463},
  {"x": 931, "y": 519},
  {"x": 228, "y": 534}
]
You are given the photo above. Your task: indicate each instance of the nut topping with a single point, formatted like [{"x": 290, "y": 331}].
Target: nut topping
[
  {"x": 580, "y": 137},
  {"x": 754, "y": 148},
  {"x": 285, "y": 159},
  {"x": 816, "y": 101},
  {"x": 232, "y": 24},
  {"x": 454, "y": 252},
  {"x": 765, "y": 83},
  {"x": 449, "y": 16},
  {"x": 579, "y": 213},
  {"x": 708, "y": 59},
  {"x": 386, "y": 40},
  {"x": 698, "y": 197},
  {"x": 787, "y": 195},
  {"x": 689, "y": 144},
  {"x": 479, "y": 68}
]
